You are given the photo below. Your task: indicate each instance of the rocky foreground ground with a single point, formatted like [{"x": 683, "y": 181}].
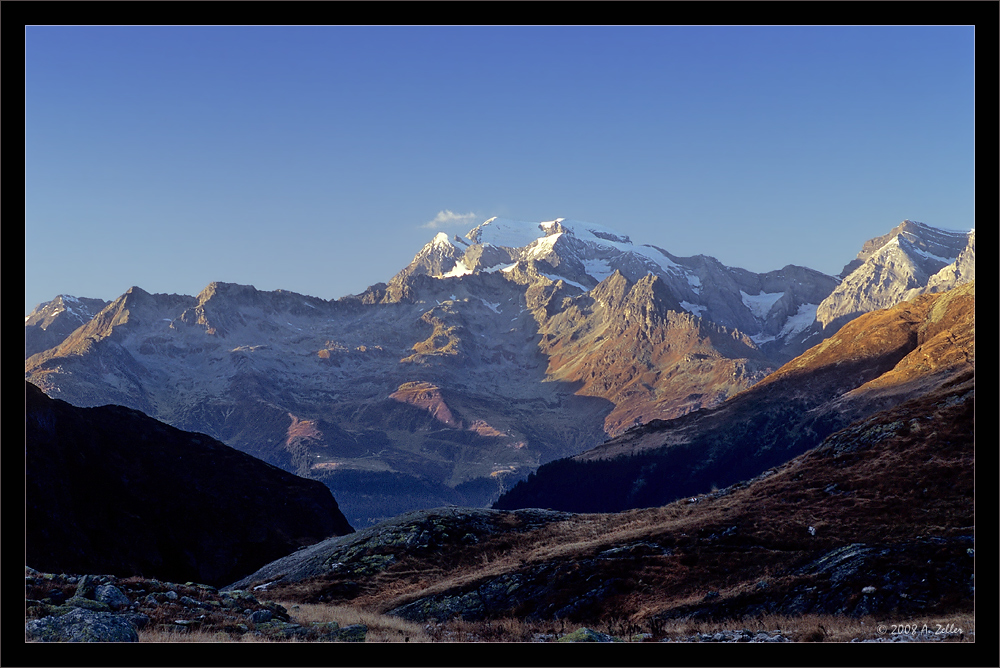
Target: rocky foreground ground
[
  {"x": 65, "y": 608},
  {"x": 102, "y": 608}
]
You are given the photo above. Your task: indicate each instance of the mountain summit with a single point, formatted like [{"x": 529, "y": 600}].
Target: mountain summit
[
  {"x": 911, "y": 259},
  {"x": 49, "y": 323}
]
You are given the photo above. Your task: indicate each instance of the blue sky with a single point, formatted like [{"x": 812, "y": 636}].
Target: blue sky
[{"x": 320, "y": 159}]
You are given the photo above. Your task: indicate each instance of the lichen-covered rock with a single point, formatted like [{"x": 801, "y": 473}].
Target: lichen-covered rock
[
  {"x": 86, "y": 586},
  {"x": 587, "y": 635},
  {"x": 261, "y": 616},
  {"x": 352, "y": 633},
  {"x": 88, "y": 604},
  {"x": 276, "y": 628},
  {"x": 112, "y": 596},
  {"x": 81, "y": 625}
]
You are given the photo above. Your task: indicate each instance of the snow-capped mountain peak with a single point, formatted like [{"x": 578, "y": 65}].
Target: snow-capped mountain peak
[
  {"x": 441, "y": 239},
  {"x": 582, "y": 255},
  {"x": 912, "y": 258}
]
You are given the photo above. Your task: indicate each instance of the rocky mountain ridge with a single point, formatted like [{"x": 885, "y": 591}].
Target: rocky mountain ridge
[{"x": 484, "y": 358}]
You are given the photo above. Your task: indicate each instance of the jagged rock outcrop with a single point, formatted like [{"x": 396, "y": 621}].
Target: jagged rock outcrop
[
  {"x": 631, "y": 343},
  {"x": 110, "y": 490},
  {"x": 962, "y": 270}
]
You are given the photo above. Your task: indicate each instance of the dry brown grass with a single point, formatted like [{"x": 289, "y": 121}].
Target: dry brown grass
[
  {"x": 829, "y": 628},
  {"x": 381, "y": 628},
  {"x": 388, "y": 629},
  {"x": 158, "y": 635}
]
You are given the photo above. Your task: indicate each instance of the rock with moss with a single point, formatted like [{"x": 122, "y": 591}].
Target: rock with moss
[
  {"x": 352, "y": 633},
  {"x": 86, "y": 586},
  {"x": 80, "y": 625},
  {"x": 584, "y": 634},
  {"x": 278, "y": 629},
  {"x": 87, "y": 604},
  {"x": 112, "y": 596}
]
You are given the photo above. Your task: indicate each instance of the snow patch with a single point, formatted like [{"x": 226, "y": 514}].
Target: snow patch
[
  {"x": 696, "y": 309},
  {"x": 760, "y": 305},
  {"x": 803, "y": 318},
  {"x": 537, "y": 239},
  {"x": 441, "y": 239},
  {"x": 597, "y": 269},
  {"x": 932, "y": 256},
  {"x": 542, "y": 247},
  {"x": 460, "y": 269},
  {"x": 493, "y": 306},
  {"x": 553, "y": 277},
  {"x": 506, "y": 233}
]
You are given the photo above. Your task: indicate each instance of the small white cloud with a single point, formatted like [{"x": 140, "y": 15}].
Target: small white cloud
[{"x": 448, "y": 218}]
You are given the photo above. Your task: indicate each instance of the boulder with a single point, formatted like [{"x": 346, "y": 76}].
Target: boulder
[{"x": 80, "y": 625}]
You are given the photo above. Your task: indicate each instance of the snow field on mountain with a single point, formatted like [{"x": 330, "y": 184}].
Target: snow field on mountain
[{"x": 760, "y": 305}]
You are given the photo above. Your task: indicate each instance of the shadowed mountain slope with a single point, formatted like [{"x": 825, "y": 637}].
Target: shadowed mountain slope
[{"x": 110, "y": 490}]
